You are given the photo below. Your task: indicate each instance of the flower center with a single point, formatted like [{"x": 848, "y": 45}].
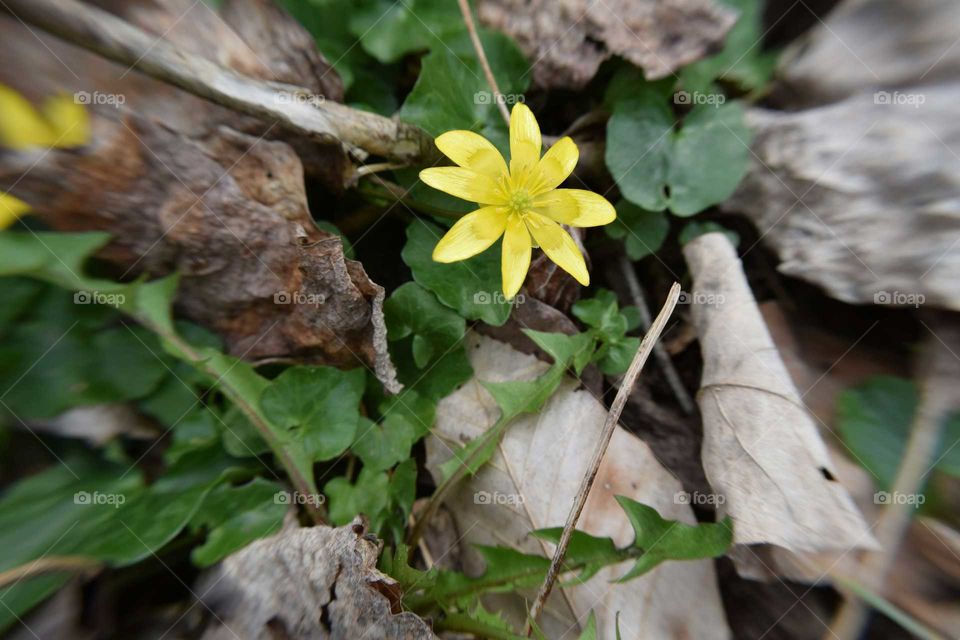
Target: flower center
[{"x": 520, "y": 201}]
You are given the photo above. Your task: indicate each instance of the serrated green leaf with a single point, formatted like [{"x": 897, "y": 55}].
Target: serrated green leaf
[
  {"x": 662, "y": 539},
  {"x": 472, "y": 287},
  {"x": 575, "y": 349}
]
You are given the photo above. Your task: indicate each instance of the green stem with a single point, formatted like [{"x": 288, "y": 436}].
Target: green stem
[
  {"x": 187, "y": 353},
  {"x": 465, "y": 624}
]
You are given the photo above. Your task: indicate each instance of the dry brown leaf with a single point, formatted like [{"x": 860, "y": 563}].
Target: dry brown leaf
[
  {"x": 842, "y": 54},
  {"x": 313, "y": 583},
  {"x": 761, "y": 449},
  {"x": 568, "y": 40},
  {"x": 530, "y": 484},
  {"x": 861, "y": 197}
]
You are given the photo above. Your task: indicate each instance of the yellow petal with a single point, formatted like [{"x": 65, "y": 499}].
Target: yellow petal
[
  {"x": 464, "y": 183},
  {"x": 10, "y": 209},
  {"x": 575, "y": 207},
  {"x": 557, "y": 164},
  {"x": 472, "y": 151},
  {"x": 515, "y": 259},
  {"x": 471, "y": 234},
  {"x": 559, "y": 246},
  {"x": 69, "y": 121},
  {"x": 524, "y": 139},
  {"x": 22, "y": 126}
]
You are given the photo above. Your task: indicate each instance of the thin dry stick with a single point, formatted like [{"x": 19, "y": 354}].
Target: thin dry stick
[
  {"x": 663, "y": 358},
  {"x": 484, "y": 63},
  {"x": 937, "y": 401},
  {"x": 613, "y": 417},
  {"x": 48, "y": 564},
  {"x": 115, "y": 39}
]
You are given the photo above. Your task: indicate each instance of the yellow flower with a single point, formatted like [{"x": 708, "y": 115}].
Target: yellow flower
[
  {"x": 522, "y": 203},
  {"x": 61, "y": 123}
]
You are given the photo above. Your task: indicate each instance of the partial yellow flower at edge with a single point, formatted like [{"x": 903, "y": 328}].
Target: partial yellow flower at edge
[
  {"x": 11, "y": 209},
  {"x": 521, "y": 203},
  {"x": 62, "y": 123}
]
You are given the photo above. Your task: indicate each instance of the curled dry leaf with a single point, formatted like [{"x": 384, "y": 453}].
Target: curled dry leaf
[
  {"x": 761, "y": 449},
  {"x": 568, "y": 40},
  {"x": 531, "y": 482},
  {"x": 314, "y": 583}
]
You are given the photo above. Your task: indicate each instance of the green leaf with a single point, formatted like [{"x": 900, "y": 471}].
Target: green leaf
[
  {"x": 697, "y": 229},
  {"x": 590, "y": 629},
  {"x": 413, "y": 310},
  {"x": 88, "y": 507},
  {"x": 388, "y": 30},
  {"x": 642, "y": 232},
  {"x": 575, "y": 349},
  {"x": 72, "y": 354},
  {"x": 672, "y": 540},
  {"x": 742, "y": 59},
  {"x": 875, "y": 419},
  {"x": 609, "y": 324},
  {"x": 687, "y": 171},
  {"x": 236, "y": 516},
  {"x": 452, "y": 93},
  {"x": 318, "y": 406},
  {"x": 471, "y": 287},
  {"x": 368, "y": 496},
  {"x": 397, "y": 567}
]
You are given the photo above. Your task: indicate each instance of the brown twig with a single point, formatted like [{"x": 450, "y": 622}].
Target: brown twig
[
  {"x": 482, "y": 56},
  {"x": 294, "y": 108},
  {"x": 613, "y": 417},
  {"x": 663, "y": 358},
  {"x": 48, "y": 564}
]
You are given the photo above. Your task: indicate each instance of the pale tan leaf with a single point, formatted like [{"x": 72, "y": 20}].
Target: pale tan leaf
[
  {"x": 761, "y": 449},
  {"x": 530, "y": 484}
]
